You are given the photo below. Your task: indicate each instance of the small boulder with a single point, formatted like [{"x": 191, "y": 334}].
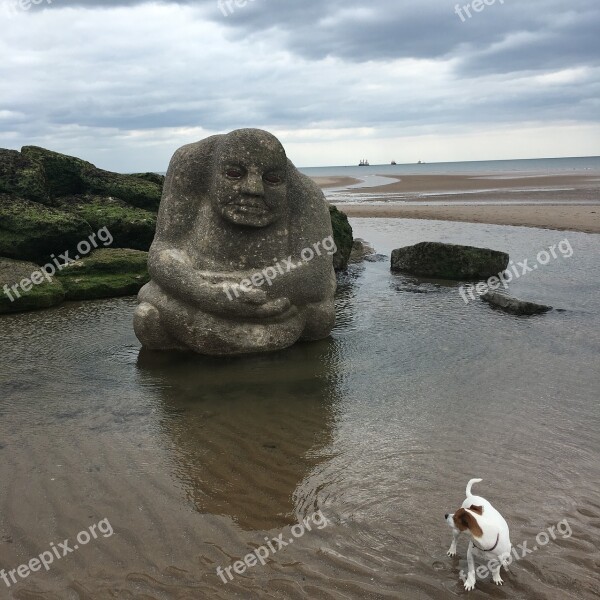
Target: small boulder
[
  {"x": 513, "y": 305},
  {"x": 44, "y": 294},
  {"x": 360, "y": 250},
  {"x": 449, "y": 261}
]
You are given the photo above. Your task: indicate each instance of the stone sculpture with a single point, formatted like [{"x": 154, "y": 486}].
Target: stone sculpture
[{"x": 242, "y": 257}]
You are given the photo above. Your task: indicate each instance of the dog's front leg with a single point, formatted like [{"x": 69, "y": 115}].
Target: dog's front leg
[
  {"x": 452, "y": 549},
  {"x": 470, "y": 582},
  {"x": 496, "y": 572}
]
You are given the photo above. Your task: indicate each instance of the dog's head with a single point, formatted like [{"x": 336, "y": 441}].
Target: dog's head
[{"x": 465, "y": 519}]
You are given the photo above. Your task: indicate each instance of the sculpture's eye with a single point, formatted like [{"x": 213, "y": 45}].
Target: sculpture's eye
[
  {"x": 234, "y": 173},
  {"x": 272, "y": 179}
]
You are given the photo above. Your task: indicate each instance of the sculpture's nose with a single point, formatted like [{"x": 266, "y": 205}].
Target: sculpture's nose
[{"x": 253, "y": 185}]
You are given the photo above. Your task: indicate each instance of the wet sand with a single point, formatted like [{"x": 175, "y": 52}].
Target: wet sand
[
  {"x": 572, "y": 218},
  {"x": 455, "y": 183},
  {"x": 563, "y": 202},
  {"x": 330, "y": 182},
  {"x": 195, "y": 461}
]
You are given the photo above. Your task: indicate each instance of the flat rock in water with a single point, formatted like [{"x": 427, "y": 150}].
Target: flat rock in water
[
  {"x": 48, "y": 292},
  {"x": 449, "y": 261},
  {"x": 514, "y": 305}
]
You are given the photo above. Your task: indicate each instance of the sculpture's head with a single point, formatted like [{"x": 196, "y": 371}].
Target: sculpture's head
[{"x": 250, "y": 178}]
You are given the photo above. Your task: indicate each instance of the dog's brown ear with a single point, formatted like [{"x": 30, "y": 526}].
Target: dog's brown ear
[
  {"x": 464, "y": 520},
  {"x": 476, "y": 509}
]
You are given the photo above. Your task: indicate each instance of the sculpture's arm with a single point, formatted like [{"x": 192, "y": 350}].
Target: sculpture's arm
[{"x": 173, "y": 271}]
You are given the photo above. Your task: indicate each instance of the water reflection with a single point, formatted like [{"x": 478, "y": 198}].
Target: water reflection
[{"x": 246, "y": 431}]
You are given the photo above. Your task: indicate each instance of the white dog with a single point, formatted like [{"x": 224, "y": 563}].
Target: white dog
[{"x": 490, "y": 538}]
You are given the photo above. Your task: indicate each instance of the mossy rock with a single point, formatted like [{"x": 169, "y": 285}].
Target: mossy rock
[
  {"x": 22, "y": 177},
  {"x": 68, "y": 175},
  {"x": 342, "y": 235},
  {"x": 153, "y": 177},
  {"x": 105, "y": 273},
  {"x": 130, "y": 227},
  {"x": 40, "y": 295},
  {"x": 449, "y": 261},
  {"x": 32, "y": 231}
]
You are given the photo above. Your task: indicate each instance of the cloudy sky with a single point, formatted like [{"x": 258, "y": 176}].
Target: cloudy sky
[{"x": 123, "y": 83}]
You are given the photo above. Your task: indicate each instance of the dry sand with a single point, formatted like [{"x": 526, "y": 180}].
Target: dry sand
[{"x": 571, "y": 195}]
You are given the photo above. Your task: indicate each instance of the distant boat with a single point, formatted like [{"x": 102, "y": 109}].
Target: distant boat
[
  {"x": 393, "y": 162},
  {"x": 363, "y": 162}
]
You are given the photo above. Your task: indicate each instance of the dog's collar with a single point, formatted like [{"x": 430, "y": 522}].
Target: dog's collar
[{"x": 490, "y": 549}]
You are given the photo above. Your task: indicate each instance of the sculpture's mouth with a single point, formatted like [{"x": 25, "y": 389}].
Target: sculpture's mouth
[{"x": 249, "y": 206}]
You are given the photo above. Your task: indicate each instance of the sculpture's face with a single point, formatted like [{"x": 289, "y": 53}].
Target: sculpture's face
[{"x": 250, "y": 186}]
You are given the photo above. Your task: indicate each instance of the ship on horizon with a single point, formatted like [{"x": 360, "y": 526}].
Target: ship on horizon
[{"x": 363, "y": 162}]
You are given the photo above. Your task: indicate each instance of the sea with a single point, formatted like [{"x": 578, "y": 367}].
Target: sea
[{"x": 520, "y": 167}]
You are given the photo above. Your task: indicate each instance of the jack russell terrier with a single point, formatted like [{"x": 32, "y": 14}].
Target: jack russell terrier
[{"x": 490, "y": 538}]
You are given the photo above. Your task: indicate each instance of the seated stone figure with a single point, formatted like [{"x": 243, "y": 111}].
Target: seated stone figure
[{"x": 242, "y": 257}]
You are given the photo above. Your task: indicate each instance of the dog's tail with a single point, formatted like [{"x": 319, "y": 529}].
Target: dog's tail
[{"x": 471, "y": 482}]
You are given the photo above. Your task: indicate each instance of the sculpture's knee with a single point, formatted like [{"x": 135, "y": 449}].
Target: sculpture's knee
[
  {"x": 150, "y": 331},
  {"x": 320, "y": 319}
]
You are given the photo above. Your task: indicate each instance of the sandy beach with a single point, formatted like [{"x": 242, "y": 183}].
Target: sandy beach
[
  {"x": 330, "y": 182},
  {"x": 562, "y": 202}
]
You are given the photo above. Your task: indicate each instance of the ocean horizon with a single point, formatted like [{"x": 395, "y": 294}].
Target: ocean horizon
[{"x": 522, "y": 166}]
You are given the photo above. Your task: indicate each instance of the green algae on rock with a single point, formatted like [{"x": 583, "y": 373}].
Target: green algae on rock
[
  {"x": 68, "y": 175},
  {"x": 32, "y": 231},
  {"x": 22, "y": 177},
  {"x": 129, "y": 226},
  {"x": 105, "y": 273},
  {"x": 42, "y": 295}
]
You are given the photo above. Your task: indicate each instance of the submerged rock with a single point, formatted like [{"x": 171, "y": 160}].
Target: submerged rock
[
  {"x": 449, "y": 261},
  {"x": 48, "y": 292},
  {"x": 105, "y": 273},
  {"x": 514, "y": 305}
]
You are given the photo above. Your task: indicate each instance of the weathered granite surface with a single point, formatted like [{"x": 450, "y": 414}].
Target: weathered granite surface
[{"x": 242, "y": 260}]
